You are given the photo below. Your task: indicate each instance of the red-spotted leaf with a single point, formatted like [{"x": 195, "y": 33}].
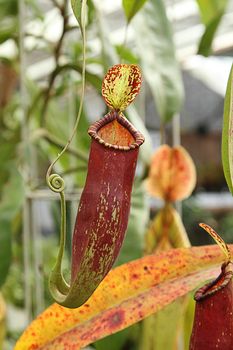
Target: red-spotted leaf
[
  {"x": 172, "y": 174},
  {"x": 121, "y": 85},
  {"x": 128, "y": 294}
]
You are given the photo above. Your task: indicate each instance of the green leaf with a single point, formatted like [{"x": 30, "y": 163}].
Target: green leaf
[
  {"x": 131, "y": 7},
  {"x": 8, "y": 29},
  {"x": 113, "y": 342},
  {"x": 157, "y": 54},
  {"x": 209, "y": 9},
  {"x": 211, "y": 12},
  {"x": 78, "y": 6},
  {"x": 227, "y": 139},
  {"x": 170, "y": 318},
  {"x": 12, "y": 195},
  {"x": 90, "y": 77},
  {"x": 208, "y": 36},
  {"x": 126, "y": 54},
  {"x": 8, "y": 8},
  {"x": 188, "y": 321}
]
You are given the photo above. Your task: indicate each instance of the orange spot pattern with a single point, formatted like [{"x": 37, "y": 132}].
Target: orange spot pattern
[
  {"x": 141, "y": 288},
  {"x": 217, "y": 239}
]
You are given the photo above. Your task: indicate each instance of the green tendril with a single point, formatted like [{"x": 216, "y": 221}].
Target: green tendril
[
  {"x": 56, "y": 183},
  {"x": 59, "y": 288}
]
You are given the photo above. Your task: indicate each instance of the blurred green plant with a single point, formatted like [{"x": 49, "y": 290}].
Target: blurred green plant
[
  {"x": 153, "y": 35},
  {"x": 9, "y": 20},
  {"x": 211, "y": 12},
  {"x": 131, "y": 7}
]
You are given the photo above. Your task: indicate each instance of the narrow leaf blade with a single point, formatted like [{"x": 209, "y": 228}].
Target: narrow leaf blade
[
  {"x": 210, "y": 8},
  {"x": 227, "y": 139},
  {"x": 77, "y": 7},
  {"x": 120, "y": 317},
  {"x": 211, "y": 12},
  {"x": 205, "y": 44}
]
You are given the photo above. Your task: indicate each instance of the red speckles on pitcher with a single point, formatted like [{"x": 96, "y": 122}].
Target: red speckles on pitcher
[{"x": 213, "y": 320}]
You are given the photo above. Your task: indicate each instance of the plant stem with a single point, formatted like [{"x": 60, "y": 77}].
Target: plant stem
[
  {"x": 125, "y": 37},
  {"x": 162, "y": 134},
  {"x": 57, "y": 51}
]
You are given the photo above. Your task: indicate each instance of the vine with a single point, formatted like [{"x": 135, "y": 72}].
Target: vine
[{"x": 57, "y": 184}]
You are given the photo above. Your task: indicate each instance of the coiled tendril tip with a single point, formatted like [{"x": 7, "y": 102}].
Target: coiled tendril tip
[{"x": 56, "y": 183}]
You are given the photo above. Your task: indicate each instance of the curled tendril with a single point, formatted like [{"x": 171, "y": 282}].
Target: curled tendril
[
  {"x": 59, "y": 288},
  {"x": 56, "y": 183}
]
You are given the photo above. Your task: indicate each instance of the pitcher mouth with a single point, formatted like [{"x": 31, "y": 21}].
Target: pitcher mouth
[
  {"x": 220, "y": 282},
  {"x": 115, "y": 131}
]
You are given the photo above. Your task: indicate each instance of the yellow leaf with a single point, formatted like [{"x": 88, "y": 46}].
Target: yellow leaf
[{"x": 128, "y": 294}]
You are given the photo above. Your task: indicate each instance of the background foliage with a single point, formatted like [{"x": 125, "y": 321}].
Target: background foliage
[{"x": 35, "y": 126}]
